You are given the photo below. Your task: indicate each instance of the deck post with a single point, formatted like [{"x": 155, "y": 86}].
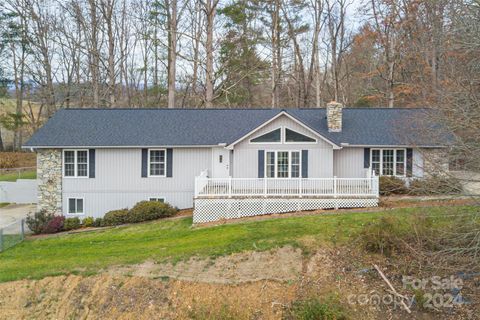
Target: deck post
[
  {"x": 265, "y": 187},
  {"x": 300, "y": 187},
  {"x": 195, "y": 192},
  {"x": 334, "y": 186},
  {"x": 230, "y": 186}
]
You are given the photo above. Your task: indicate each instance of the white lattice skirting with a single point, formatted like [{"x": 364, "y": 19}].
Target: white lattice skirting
[{"x": 207, "y": 210}]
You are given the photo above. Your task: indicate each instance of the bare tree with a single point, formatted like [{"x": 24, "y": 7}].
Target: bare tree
[{"x": 210, "y": 8}]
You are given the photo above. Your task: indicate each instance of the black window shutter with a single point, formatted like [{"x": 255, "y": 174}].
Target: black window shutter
[
  {"x": 366, "y": 158},
  {"x": 261, "y": 163},
  {"x": 304, "y": 163},
  {"x": 409, "y": 162},
  {"x": 91, "y": 163},
  {"x": 144, "y": 163},
  {"x": 169, "y": 162}
]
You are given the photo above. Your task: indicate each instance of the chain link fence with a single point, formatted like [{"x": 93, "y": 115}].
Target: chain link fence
[{"x": 12, "y": 234}]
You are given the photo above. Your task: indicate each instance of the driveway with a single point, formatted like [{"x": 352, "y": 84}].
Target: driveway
[
  {"x": 469, "y": 180},
  {"x": 15, "y": 212}
]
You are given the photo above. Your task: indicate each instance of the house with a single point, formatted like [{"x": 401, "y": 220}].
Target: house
[{"x": 229, "y": 163}]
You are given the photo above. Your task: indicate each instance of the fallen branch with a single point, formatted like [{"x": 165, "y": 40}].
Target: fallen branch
[{"x": 392, "y": 288}]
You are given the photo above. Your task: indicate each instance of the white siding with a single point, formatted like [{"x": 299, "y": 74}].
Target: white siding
[
  {"x": 417, "y": 164},
  {"x": 118, "y": 182},
  {"x": 348, "y": 163},
  {"x": 320, "y": 154}
]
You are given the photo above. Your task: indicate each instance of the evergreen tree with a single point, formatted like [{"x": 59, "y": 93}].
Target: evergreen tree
[{"x": 242, "y": 69}]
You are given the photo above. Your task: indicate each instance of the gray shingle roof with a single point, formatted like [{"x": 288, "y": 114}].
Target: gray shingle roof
[{"x": 188, "y": 127}]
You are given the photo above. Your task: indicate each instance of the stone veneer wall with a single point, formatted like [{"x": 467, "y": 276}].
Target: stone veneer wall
[
  {"x": 334, "y": 116},
  {"x": 49, "y": 175},
  {"x": 435, "y": 161}
]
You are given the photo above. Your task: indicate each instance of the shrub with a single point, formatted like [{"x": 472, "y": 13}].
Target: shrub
[
  {"x": 392, "y": 185},
  {"x": 8, "y": 160},
  {"x": 315, "y": 309},
  {"x": 55, "y": 225},
  {"x": 98, "y": 222},
  {"x": 435, "y": 185},
  {"x": 39, "y": 221},
  {"x": 115, "y": 217},
  {"x": 380, "y": 236},
  {"x": 88, "y": 222},
  {"x": 150, "y": 210},
  {"x": 71, "y": 224}
]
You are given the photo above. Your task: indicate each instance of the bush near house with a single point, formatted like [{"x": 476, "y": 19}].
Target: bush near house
[
  {"x": 88, "y": 222},
  {"x": 142, "y": 211},
  {"x": 71, "y": 224},
  {"x": 38, "y": 222},
  {"x": 55, "y": 225},
  {"x": 150, "y": 210},
  {"x": 115, "y": 217},
  {"x": 98, "y": 222}
]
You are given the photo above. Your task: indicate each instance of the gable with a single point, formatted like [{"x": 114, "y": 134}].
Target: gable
[{"x": 281, "y": 122}]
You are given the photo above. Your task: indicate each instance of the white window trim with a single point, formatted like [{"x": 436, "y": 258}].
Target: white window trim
[
  {"x": 76, "y": 213},
  {"x": 283, "y": 137},
  {"x": 394, "y": 161},
  {"x": 297, "y": 142},
  {"x": 148, "y": 164},
  {"x": 289, "y": 164},
  {"x": 75, "y": 167},
  {"x": 264, "y": 133},
  {"x": 156, "y": 197}
]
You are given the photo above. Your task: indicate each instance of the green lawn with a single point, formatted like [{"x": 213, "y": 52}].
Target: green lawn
[
  {"x": 13, "y": 176},
  {"x": 173, "y": 240}
]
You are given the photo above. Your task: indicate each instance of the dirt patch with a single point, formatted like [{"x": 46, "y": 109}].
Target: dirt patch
[
  {"x": 283, "y": 264},
  {"x": 262, "y": 288}
]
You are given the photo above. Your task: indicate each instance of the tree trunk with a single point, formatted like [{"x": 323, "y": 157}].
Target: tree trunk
[
  {"x": 172, "y": 50},
  {"x": 210, "y": 7},
  {"x": 94, "y": 55}
]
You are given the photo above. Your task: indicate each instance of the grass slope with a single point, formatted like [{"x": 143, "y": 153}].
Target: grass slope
[
  {"x": 15, "y": 175},
  {"x": 90, "y": 252}
]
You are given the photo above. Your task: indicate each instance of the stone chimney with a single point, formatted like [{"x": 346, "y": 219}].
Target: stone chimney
[{"x": 334, "y": 116}]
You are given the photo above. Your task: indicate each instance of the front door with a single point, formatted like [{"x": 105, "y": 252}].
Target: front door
[{"x": 221, "y": 163}]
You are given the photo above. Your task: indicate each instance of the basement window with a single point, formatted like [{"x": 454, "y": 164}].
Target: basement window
[
  {"x": 75, "y": 205},
  {"x": 162, "y": 200}
]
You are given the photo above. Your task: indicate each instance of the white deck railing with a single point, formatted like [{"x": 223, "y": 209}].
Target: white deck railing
[{"x": 281, "y": 187}]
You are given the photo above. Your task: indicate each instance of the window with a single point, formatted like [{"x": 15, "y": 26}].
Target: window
[
  {"x": 388, "y": 162},
  {"x": 376, "y": 161},
  {"x": 270, "y": 164},
  {"x": 75, "y": 163},
  {"x": 156, "y": 163},
  {"x": 292, "y": 136},
  {"x": 157, "y": 199},
  {"x": 272, "y": 136},
  {"x": 295, "y": 165},
  {"x": 220, "y": 158},
  {"x": 400, "y": 163},
  {"x": 75, "y": 205},
  {"x": 282, "y": 164}
]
